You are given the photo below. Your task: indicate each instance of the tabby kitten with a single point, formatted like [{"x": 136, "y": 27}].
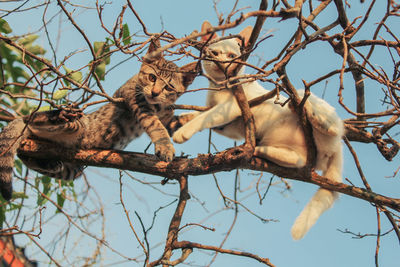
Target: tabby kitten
[
  {"x": 279, "y": 135},
  {"x": 148, "y": 97}
]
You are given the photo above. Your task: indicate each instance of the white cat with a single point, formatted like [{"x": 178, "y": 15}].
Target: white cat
[{"x": 279, "y": 135}]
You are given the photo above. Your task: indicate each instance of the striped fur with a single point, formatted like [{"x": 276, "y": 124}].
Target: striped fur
[{"x": 148, "y": 98}]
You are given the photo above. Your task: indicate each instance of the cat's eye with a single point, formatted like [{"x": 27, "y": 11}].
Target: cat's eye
[
  {"x": 231, "y": 55},
  {"x": 152, "y": 77},
  {"x": 169, "y": 87},
  {"x": 214, "y": 53}
]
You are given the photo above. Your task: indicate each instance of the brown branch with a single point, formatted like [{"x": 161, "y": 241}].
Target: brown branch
[
  {"x": 6, "y": 118},
  {"x": 247, "y": 116},
  {"x": 298, "y": 105},
  {"x": 387, "y": 147},
  {"x": 145, "y": 251},
  {"x": 174, "y": 225},
  {"x": 53, "y": 68},
  {"x": 87, "y": 42},
  {"x": 311, "y": 17},
  {"x": 227, "y": 160},
  {"x": 344, "y": 22},
  {"x": 256, "y": 30},
  {"x": 187, "y": 244},
  {"x": 176, "y": 219},
  {"x": 374, "y": 42},
  {"x": 194, "y": 35},
  {"x": 248, "y": 119},
  {"x": 144, "y": 28}
]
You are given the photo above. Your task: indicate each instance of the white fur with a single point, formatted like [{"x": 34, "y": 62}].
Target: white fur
[{"x": 279, "y": 134}]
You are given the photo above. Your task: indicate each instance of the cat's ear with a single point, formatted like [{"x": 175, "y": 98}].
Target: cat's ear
[
  {"x": 150, "y": 56},
  {"x": 189, "y": 73},
  {"x": 207, "y": 25},
  {"x": 246, "y": 33}
]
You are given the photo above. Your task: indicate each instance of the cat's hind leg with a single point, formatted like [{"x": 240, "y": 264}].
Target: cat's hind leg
[
  {"x": 54, "y": 168},
  {"x": 60, "y": 126},
  {"x": 283, "y": 156}
]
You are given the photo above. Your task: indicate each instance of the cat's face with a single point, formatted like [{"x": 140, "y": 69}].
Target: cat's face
[
  {"x": 221, "y": 55},
  {"x": 162, "y": 81},
  {"x": 220, "y": 59}
]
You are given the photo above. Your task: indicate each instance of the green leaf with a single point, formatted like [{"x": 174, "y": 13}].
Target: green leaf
[
  {"x": 100, "y": 48},
  {"x": 46, "y": 181},
  {"x": 37, "y": 181},
  {"x": 74, "y": 75},
  {"x": 67, "y": 183},
  {"x": 4, "y": 26},
  {"x": 20, "y": 73},
  {"x": 18, "y": 166},
  {"x": 60, "y": 201},
  {"x": 125, "y": 34},
  {"x": 16, "y": 195},
  {"x": 36, "y": 49},
  {"x": 101, "y": 70},
  {"x": 60, "y": 94},
  {"x": 28, "y": 40},
  {"x": 41, "y": 200},
  {"x": 2, "y": 213},
  {"x": 44, "y": 108},
  {"x": 14, "y": 206},
  {"x": 46, "y": 184}
]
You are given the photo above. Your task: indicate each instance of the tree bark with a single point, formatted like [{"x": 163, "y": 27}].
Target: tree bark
[{"x": 227, "y": 160}]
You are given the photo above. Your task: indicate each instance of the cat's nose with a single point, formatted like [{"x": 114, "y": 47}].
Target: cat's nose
[{"x": 155, "y": 94}]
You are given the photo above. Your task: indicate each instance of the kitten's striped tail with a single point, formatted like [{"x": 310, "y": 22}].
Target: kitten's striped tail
[
  {"x": 10, "y": 139},
  {"x": 321, "y": 201}
]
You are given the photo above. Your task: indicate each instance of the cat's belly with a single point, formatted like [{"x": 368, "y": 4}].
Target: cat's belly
[
  {"x": 285, "y": 132},
  {"x": 123, "y": 140},
  {"x": 111, "y": 135}
]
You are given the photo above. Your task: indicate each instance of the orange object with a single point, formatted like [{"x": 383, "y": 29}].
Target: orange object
[{"x": 8, "y": 256}]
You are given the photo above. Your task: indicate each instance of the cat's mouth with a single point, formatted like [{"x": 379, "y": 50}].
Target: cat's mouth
[
  {"x": 219, "y": 72},
  {"x": 152, "y": 100},
  {"x": 155, "y": 100}
]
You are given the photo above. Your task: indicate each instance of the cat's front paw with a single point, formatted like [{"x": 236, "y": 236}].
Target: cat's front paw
[
  {"x": 165, "y": 152},
  {"x": 181, "y": 136}
]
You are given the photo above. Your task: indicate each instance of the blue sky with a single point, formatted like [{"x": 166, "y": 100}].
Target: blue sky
[{"x": 324, "y": 245}]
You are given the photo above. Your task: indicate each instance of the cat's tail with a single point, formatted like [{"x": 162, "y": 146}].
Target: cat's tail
[
  {"x": 10, "y": 139},
  {"x": 321, "y": 201}
]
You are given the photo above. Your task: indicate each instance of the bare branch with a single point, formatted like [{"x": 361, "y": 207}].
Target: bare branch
[{"x": 204, "y": 164}]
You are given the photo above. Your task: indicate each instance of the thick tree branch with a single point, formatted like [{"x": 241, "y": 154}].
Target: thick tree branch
[
  {"x": 174, "y": 225},
  {"x": 227, "y": 160}
]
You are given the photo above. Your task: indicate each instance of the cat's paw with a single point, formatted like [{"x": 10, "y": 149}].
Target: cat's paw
[
  {"x": 165, "y": 152},
  {"x": 181, "y": 135},
  {"x": 180, "y": 121}
]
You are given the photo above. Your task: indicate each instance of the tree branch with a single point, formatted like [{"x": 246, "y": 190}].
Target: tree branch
[
  {"x": 227, "y": 160},
  {"x": 187, "y": 244}
]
